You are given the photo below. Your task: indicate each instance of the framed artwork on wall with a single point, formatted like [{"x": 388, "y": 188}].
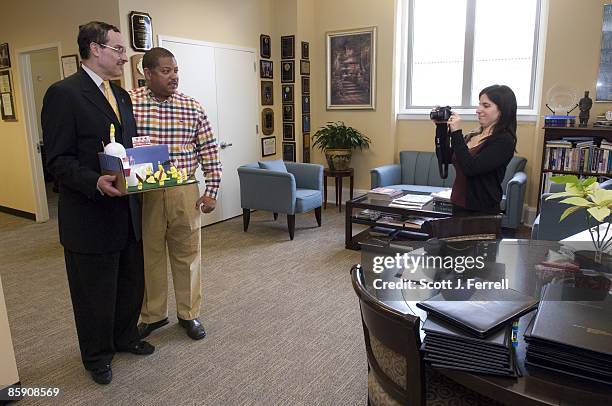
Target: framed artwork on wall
[
  {"x": 305, "y": 84},
  {"x": 305, "y": 50},
  {"x": 265, "y": 48},
  {"x": 288, "y": 114},
  {"x": 5, "y": 57},
  {"x": 288, "y": 133},
  {"x": 288, "y": 47},
  {"x": 7, "y": 105},
  {"x": 603, "y": 91},
  {"x": 305, "y": 104},
  {"x": 70, "y": 65},
  {"x": 304, "y": 67},
  {"x": 351, "y": 85},
  {"x": 287, "y": 93},
  {"x": 267, "y": 93},
  {"x": 306, "y": 123},
  {"x": 267, "y": 121},
  {"x": 289, "y": 151},
  {"x": 268, "y": 146},
  {"x": 265, "y": 69},
  {"x": 287, "y": 71}
]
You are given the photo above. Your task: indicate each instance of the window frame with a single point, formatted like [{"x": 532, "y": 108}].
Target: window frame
[{"x": 527, "y": 113}]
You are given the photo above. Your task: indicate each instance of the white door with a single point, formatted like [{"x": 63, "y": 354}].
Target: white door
[{"x": 224, "y": 81}]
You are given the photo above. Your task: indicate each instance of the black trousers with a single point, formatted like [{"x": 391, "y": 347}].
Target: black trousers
[{"x": 107, "y": 292}]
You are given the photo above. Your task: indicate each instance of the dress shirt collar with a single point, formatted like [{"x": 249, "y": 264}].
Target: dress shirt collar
[
  {"x": 95, "y": 77},
  {"x": 153, "y": 98}
]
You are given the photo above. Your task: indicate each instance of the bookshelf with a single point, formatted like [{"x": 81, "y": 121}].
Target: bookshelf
[{"x": 567, "y": 151}]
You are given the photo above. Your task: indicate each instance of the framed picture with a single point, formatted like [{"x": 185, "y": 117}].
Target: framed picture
[
  {"x": 287, "y": 71},
  {"x": 305, "y": 84},
  {"x": 289, "y": 151},
  {"x": 7, "y": 105},
  {"x": 141, "y": 30},
  {"x": 603, "y": 92},
  {"x": 265, "y": 48},
  {"x": 304, "y": 67},
  {"x": 288, "y": 114},
  {"x": 287, "y": 93},
  {"x": 351, "y": 69},
  {"x": 288, "y": 133},
  {"x": 306, "y": 123},
  {"x": 305, "y": 104},
  {"x": 288, "y": 47},
  {"x": 70, "y": 65},
  {"x": 138, "y": 79},
  {"x": 306, "y": 148},
  {"x": 5, "y": 57},
  {"x": 305, "y": 50},
  {"x": 268, "y": 146},
  {"x": 306, "y": 139},
  {"x": 265, "y": 69},
  {"x": 267, "y": 121},
  {"x": 267, "y": 93}
]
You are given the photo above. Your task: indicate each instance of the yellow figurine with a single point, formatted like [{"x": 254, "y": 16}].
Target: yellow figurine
[
  {"x": 185, "y": 174},
  {"x": 139, "y": 187},
  {"x": 179, "y": 177},
  {"x": 151, "y": 179}
]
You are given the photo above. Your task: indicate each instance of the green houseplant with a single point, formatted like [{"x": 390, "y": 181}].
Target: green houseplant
[
  {"x": 338, "y": 141},
  {"x": 587, "y": 195}
]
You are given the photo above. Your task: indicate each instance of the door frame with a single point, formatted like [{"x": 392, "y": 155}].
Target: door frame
[{"x": 31, "y": 127}]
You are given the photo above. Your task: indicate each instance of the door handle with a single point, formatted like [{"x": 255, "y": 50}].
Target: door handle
[{"x": 224, "y": 144}]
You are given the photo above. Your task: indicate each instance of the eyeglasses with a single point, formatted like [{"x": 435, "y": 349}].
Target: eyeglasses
[{"x": 120, "y": 50}]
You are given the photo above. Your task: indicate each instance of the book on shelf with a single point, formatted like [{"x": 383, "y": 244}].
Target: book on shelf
[
  {"x": 384, "y": 193},
  {"x": 411, "y": 201}
]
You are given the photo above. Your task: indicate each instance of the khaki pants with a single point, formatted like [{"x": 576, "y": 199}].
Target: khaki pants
[{"x": 169, "y": 217}]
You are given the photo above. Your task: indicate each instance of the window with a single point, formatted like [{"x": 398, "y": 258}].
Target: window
[{"x": 455, "y": 48}]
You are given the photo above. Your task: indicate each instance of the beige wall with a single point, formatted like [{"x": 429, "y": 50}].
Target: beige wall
[
  {"x": 29, "y": 23},
  {"x": 45, "y": 71}
]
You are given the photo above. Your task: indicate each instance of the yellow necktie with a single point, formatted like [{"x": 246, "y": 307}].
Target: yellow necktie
[{"x": 108, "y": 93}]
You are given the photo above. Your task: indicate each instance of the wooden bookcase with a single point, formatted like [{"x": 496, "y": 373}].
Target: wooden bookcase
[{"x": 555, "y": 133}]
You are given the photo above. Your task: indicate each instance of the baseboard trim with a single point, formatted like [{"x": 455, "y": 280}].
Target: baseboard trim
[
  {"x": 5, "y": 399},
  {"x": 19, "y": 213}
]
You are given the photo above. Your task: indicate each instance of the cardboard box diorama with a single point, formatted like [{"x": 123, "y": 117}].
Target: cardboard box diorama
[{"x": 143, "y": 169}]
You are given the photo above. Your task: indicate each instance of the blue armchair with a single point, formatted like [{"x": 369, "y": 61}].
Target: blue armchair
[
  {"x": 418, "y": 172},
  {"x": 281, "y": 188},
  {"x": 547, "y": 226}
]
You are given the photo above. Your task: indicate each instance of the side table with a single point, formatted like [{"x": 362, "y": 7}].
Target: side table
[{"x": 338, "y": 175}]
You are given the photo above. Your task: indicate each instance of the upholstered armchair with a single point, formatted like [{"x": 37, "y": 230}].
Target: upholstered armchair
[
  {"x": 418, "y": 172},
  {"x": 281, "y": 187},
  {"x": 547, "y": 225}
]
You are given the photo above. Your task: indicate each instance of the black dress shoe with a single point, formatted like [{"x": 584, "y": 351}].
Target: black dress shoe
[
  {"x": 145, "y": 329},
  {"x": 103, "y": 375},
  {"x": 195, "y": 329},
  {"x": 140, "y": 348}
]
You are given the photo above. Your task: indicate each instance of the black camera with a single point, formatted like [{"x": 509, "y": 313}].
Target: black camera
[{"x": 441, "y": 113}]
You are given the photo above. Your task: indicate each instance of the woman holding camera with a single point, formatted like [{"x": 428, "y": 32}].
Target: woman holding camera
[{"x": 480, "y": 158}]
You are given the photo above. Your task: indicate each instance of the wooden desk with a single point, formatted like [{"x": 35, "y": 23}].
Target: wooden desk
[
  {"x": 517, "y": 258},
  {"x": 338, "y": 175}
]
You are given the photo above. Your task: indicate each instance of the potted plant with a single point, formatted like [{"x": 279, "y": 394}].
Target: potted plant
[
  {"x": 587, "y": 195},
  {"x": 338, "y": 141}
]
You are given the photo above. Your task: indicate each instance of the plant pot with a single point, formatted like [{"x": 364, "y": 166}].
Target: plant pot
[{"x": 338, "y": 159}]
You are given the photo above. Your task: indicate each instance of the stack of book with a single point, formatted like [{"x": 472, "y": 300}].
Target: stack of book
[
  {"x": 475, "y": 334},
  {"x": 384, "y": 193},
  {"x": 572, "y": 333},
  {"x": 410, "y": 201},
  {"x": 442, "y": 196}
]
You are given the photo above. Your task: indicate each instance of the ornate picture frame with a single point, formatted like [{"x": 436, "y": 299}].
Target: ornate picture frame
[
  {"x": 267, "y": 121},
  {"x": 351, "y": 69},
  {"x": 266, "y": 70},
  {"x": 287, "y": 94},
  {"x": 267, "y": 93},
  {"x": 287, "y": 71},
  {"x": 265, "y": 46},
  {"x": 289, "y": 151}
]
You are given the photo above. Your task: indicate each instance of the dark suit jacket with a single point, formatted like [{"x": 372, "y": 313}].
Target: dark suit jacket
[{"x": 76, "y": 118}]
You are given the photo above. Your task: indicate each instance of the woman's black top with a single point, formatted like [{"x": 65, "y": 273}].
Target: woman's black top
[{"x": 484, "y": 171}]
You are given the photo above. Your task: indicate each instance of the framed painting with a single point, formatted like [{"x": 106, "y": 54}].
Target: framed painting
[
  {"x": 305, "y": 50},
  {"x": 304, "y": 67},
  {"x": 287, "y": 71},
  {"x": 288, "y": 133},
  {"x": 287, "y": 93},
  {"x": 265, "y": 48},
  {"x": 288, "y": 113},
  {"x": 267, "y": 121},
  {"x": 306, "y": 123},
  {"x": 267, "y": 93},
  {"x": 268, "y": 146},
  {"x": 5, "y": 57},
  {"x": 305, "y": 84},
  {"x": 289, "y": 151},
  {"x": 351, "y": 69},
  {"x": 288, "y": 47},
  {"x": 305, "y": 104},
  {"x": 603, "y": 91},
  {"x": 265, "y": 69}
]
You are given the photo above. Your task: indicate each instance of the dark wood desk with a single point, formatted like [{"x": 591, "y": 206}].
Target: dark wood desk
[
  {"x": 517, "y": 259},
  {"x": 337, "y": 175}
]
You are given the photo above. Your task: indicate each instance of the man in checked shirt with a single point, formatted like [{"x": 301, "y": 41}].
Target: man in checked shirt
[{"x": 171, "y": 217}]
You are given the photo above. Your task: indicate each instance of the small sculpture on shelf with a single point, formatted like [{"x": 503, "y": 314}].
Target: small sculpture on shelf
[{"x": 585, "y": 105}]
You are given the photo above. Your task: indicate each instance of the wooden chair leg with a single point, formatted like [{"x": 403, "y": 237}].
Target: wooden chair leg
[
  {"x": 291, "y": 224},
  {"x": 246, "y": 217},
  {"x": 318, "y": 215},
  {"x": 275, "y": 216}
]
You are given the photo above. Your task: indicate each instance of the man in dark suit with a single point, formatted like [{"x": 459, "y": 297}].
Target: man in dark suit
[{"x": 99, "y": 228}]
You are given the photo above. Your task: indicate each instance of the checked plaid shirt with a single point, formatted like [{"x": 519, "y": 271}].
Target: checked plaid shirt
[{"x": 181, "y": 123}]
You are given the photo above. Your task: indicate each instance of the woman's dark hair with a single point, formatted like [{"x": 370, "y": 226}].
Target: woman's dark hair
[
  {"x": 94, "y": 31},
  {"x": 505, "y": 100}
]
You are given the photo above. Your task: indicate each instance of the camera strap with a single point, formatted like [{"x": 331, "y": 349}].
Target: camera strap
[{"x": 443, "y": 149}]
